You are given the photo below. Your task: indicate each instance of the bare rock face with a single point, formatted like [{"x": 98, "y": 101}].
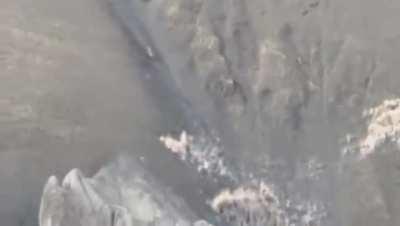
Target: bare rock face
[
  {"x": 289, "y": 111},
  {"x": 118, "y": 195},
  {"x": 76, "y": 203},
  {"x": 265, "y": 69}
]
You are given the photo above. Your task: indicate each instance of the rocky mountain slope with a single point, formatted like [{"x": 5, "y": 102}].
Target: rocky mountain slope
[{"x": 298, "y": 96}]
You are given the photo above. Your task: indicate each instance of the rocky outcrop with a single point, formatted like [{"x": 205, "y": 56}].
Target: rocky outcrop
[
  {"x": 383, "y": 126},
  {"x": 121, "y": 194}
]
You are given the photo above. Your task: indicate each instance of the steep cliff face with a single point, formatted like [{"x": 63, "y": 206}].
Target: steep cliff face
[
  {"x": 285, "y": 85},
  {"x": 299, "y": 97},
  {"x": 271, "y": 69}
]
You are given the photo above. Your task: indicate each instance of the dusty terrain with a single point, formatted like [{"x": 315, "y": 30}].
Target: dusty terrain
[{"x": 283, "y": 86}]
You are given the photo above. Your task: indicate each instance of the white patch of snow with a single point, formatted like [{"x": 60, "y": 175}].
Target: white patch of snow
[
  {"x": 205, "y": 154},
  {"x": 176, "y": 146},
  {"x": 259, "y": 205},
  {"x": 384, "y": 125}
]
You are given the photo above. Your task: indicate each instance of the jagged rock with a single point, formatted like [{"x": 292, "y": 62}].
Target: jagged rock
[{"x": 121, "y": 194}]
